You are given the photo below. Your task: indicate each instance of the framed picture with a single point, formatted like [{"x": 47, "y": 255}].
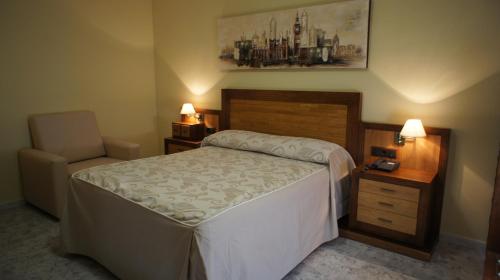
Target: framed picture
[{"x": 332, "y": 35}]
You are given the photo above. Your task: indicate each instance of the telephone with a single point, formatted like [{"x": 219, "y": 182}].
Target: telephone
[{"x": 384, "y": 165}]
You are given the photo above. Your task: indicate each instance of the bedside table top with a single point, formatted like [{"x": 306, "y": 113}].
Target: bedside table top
[
  {"x": 187, "y": 123},
  {"x": 415, "y": 175},
  {"x": 182, "y": 141}
]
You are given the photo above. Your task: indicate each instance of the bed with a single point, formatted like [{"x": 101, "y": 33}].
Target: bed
[{"x": 247, "y": 205}]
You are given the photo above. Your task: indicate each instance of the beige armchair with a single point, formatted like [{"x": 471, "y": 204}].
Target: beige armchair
[{"x": 64, "y": 143}]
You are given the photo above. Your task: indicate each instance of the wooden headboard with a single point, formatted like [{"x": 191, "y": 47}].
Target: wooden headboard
[{"x": 330, "y": 116}]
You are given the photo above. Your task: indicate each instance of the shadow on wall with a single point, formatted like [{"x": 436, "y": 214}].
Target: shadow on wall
[
  {"x": 72, "y": 63},
  {"x": 474, "y": 116}
]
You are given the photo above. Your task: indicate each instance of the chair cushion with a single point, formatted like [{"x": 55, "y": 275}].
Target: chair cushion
[
  {"x": 80, "y": 165},
  {"x": 72, "y": 135}
]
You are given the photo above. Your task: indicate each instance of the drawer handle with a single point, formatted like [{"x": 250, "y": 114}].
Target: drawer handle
[
  {"x": 385, "y": 204},
  {"x": 385, "y": 220},
  {"x": 387, "y": 190}
]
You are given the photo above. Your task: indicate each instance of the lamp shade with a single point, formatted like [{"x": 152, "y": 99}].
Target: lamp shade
[
  {"x": 187, "y": 109},
  {"x": 413, "y": 128}
]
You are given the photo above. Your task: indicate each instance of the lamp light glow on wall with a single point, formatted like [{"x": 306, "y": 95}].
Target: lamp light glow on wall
[{"x": 412, "y": 129}]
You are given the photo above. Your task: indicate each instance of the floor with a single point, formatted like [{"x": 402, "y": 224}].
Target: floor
[{"x": 29, "y": 250}]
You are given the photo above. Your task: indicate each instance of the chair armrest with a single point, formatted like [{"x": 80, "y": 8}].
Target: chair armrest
[
  {"x": 120, "y": 149},
  {"x": 40, "y": 157},
  {"x": 44, "y": 177}
]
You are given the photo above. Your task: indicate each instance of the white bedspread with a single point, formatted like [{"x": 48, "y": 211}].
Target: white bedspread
[
  {"x": 210, "y": 213},
  {"x": 197, "y": 185}
]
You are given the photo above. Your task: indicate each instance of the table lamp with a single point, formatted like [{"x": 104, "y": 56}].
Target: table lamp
[{"x": 412, "y": 129}]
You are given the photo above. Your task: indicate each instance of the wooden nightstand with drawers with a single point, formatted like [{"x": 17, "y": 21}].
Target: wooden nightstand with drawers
[
  {"x": 174, "y": 145},
  {"x": 400, "y": 210},
  {"x": 393, "y": 205}
]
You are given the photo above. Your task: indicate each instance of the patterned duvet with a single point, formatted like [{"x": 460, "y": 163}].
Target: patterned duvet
[{"x": 192, "y": 187}]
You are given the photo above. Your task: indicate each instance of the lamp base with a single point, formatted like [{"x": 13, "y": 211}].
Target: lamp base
[{"x": 398, "y": 139}]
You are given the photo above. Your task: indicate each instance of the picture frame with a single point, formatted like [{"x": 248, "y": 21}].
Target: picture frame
[{"x": 333, "y": 35}]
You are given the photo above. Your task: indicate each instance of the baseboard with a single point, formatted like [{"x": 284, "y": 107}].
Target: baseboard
[
  {"x": 11, "y": 204},
  {"x": 423, "y": 254},
  {"x": 461, "y": 239}
]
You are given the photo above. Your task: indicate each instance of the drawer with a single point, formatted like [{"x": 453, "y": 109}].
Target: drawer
[
  {"x": 387, "y": 220},
  {"x": 176, "y": 130},
  {"x": 174, "y": 148},
  {"x": 185, "y": 131},
  {"x": 389, "y": 190},
  {"x": 393, "y": 205}
]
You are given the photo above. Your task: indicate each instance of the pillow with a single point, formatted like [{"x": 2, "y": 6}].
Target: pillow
[{"x": 299, "y": 148}]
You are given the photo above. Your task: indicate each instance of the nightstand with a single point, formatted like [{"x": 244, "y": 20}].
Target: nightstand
[
  {"x": 400, "y": 210},
  {"x": 174, "y": 145},
  {"x": 393, "y": 205},
  {"x": 188, "y": 131}
]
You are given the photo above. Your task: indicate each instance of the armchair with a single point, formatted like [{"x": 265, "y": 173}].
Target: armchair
[{"x": 64, "y": 143}]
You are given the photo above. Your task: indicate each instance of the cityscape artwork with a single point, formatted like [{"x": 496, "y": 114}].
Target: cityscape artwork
[{"x": 333, "y": 35}]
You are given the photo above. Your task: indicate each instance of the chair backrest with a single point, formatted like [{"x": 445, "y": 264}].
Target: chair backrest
[{"x": 72, "y": 135}]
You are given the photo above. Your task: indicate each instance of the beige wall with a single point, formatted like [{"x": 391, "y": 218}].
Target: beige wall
[
  {"x": 58, "y": 55},
  {"x": 436, "y": 60}
]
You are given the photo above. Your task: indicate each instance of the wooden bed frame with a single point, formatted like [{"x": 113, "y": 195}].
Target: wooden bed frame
[{"x": 329, "y": 116}]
